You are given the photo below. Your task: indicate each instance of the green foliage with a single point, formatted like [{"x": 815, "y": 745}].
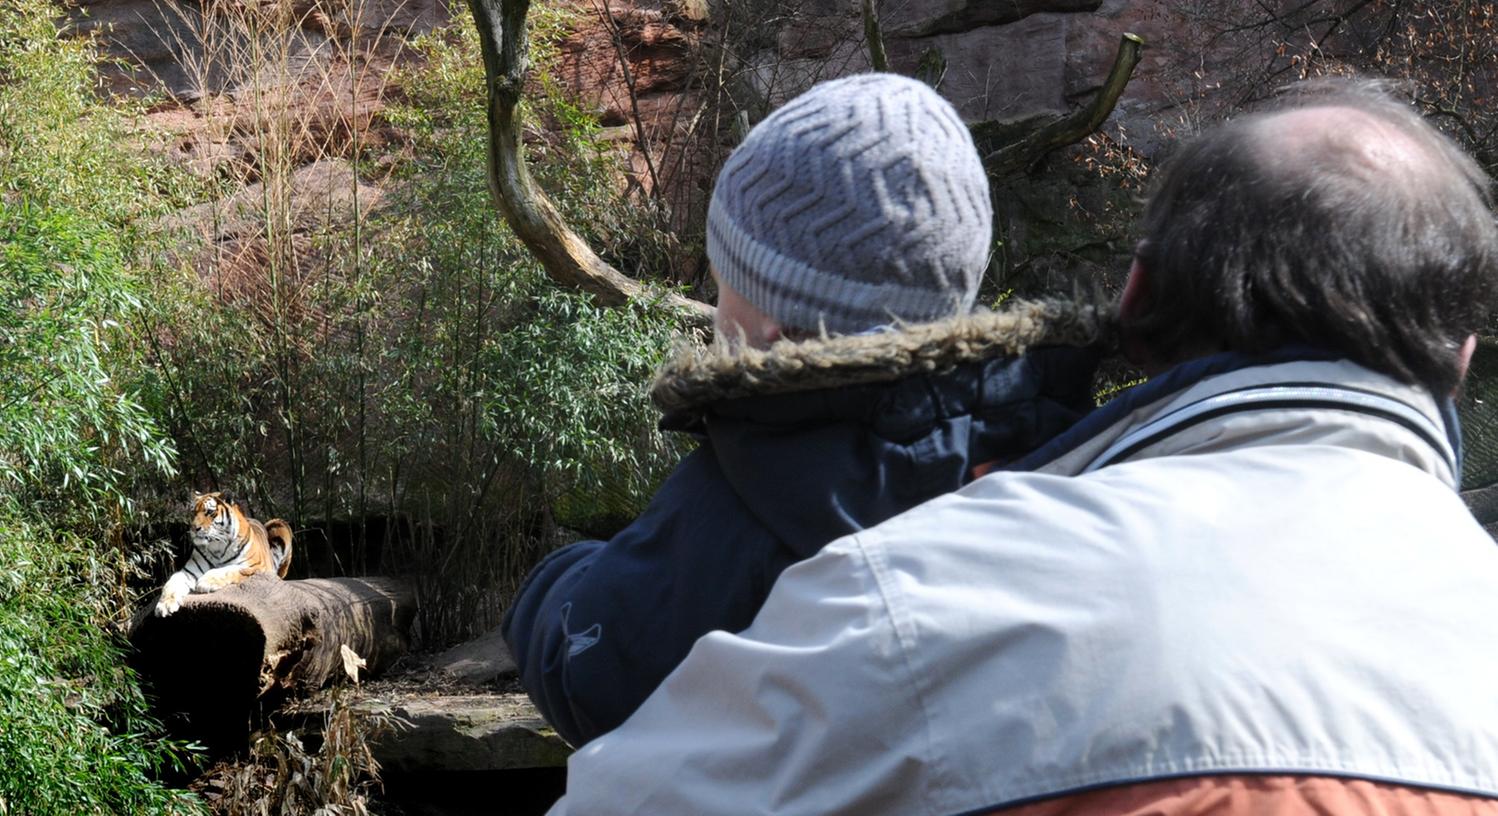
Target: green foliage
[
  {"x": 560, "y": 381},
  {"x": 60, "y": 144},
  {"x": 74, "y": 735},
  {"x": 45, "y": 83},
  {"x": 67, "y": 432},
  {"x": 511, "y": 393},
  {"x": 72, "y": 194}
]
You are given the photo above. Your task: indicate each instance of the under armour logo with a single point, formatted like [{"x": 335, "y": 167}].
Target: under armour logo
[{"x": 579, "y": 642}]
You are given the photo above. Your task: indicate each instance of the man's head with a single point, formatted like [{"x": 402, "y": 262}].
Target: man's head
[
  {"x": 1339, "y": 220},
  {"x": 860, "y": 202}
]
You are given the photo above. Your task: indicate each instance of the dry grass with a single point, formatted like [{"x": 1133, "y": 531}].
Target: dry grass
[{"x": 329, "y": 770}]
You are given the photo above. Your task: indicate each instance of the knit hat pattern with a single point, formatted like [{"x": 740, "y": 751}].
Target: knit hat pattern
[{"x": 857, "y": 204}]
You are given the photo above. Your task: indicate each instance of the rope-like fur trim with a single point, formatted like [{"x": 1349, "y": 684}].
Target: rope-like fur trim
[{"x": 699, "y": 375}]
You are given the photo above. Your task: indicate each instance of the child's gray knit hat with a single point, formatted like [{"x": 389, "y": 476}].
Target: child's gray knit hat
[{"x": 857, "y": 203}]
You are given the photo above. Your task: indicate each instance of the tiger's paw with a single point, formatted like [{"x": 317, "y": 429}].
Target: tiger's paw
[
  {"x": 215, "y": 580},
  {"x": 170, "y": 602},
  {"x": 172, "y": 594}
]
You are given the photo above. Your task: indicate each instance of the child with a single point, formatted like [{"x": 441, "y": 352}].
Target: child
[{"x": 848, "y": 216}]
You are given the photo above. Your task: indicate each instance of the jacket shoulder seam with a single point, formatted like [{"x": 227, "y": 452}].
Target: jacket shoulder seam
[{"x": 941, "y": 778}]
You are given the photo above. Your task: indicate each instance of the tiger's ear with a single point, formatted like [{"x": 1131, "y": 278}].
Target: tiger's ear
[{"x": 228, "y": 498}]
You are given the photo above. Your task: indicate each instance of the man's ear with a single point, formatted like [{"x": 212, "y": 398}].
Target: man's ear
[
  {"x": 1136, "y": 294},
  {"x": 1464, "y": 358},
  {"x": 1133, "y": 304}
]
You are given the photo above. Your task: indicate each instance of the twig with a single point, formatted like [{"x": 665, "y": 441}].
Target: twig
[{"x": 617, "y": 37}]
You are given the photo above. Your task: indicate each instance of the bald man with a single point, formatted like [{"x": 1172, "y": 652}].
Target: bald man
[{"x": 1246, "y": 586}]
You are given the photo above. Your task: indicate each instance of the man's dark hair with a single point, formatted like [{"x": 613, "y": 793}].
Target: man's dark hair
[{"x": 1255, "y": 239}]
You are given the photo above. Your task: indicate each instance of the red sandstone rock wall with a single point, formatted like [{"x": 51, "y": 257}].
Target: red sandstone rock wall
[
  {"x": 996, "y": 61},
  {"x": 676, "y": 82}
]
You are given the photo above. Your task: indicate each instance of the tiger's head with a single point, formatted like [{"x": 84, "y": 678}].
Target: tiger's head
[{"x": 217, "y": 523}]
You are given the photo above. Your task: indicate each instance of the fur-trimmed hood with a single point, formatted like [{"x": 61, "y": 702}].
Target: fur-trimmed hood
[
  {"x": 798, "y": 446},
  {"x": 701, "y": 375}
]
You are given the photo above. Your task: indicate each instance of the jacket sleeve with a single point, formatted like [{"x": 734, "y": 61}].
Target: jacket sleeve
[
  {"x": 597, "y": 625},
  {"x": 811, "y": 710}
]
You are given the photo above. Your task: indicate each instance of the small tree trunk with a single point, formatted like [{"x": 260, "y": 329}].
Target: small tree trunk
[
  {"x": 215, "y": 661},
  {"x": 566, "y": 257}
]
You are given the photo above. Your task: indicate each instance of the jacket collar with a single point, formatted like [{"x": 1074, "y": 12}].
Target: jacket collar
[
  {"x": 699, "y": 376},
  {"x": 1229, "y": 402}
]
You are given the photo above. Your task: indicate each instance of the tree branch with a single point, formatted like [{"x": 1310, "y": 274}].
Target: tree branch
[
  {"x": 617, "y": 37},
  {"x": 563, "y": 253},
  {"x": 1075, "y": 126},
  {"x": 877, "y": 57}
]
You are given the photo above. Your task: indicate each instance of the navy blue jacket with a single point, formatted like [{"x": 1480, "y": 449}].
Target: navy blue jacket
[{"x": 598, "y": 625}]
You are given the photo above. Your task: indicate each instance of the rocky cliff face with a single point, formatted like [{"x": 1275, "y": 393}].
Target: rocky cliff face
[
  {"x": 676, "y": 82},
  {"x": 1001, "y": 62},
  {"x": 1008, "y": 64}
]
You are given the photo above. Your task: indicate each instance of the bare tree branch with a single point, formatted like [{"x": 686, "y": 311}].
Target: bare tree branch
[
  {"x": 606, "y": 14},
  {"x": 564, "y": 254},
  {"x": 1075, "y": 126}
]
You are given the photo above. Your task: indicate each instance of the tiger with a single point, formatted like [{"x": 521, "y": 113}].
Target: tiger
[{"x": 227, "y": 547}]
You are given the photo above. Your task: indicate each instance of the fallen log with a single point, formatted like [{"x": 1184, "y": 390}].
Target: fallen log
[{"x": 226, "y": 655}]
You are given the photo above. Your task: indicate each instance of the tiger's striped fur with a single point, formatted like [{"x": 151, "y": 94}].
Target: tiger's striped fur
[{"x": 227, "y": 547}]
